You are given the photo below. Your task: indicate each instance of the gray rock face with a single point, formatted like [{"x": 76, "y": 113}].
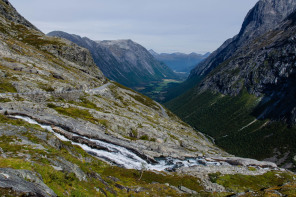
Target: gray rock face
[
  {"x": 123, "y": 61},
  {"x": 260, "y": 61},
  {"x": 24, "y": 182},
  {"x": 61, "y": 163},
  {"x": 39, "y": 58},
  {"x": 266, "y": 68},
  {"x": 80, "y": 56},
  {"x": 186, "y": 190},
  {"x": 265, "y": 16},
  {"x": 9, "y": 12},
  {"x": 246, "y": 162},
  {"x": 260, "y": 58}
]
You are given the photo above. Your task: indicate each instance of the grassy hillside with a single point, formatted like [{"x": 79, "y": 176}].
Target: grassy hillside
[
  {"x": 180, "y": 89},
  {"x": 232, "y": 122}
]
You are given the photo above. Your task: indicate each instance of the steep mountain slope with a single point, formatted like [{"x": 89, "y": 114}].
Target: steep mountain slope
[
  {"x": 265, "y": 16},
  {"x": 66, "y": 131},
  {"x": 123, "y": 61},
  {"x": 250, "y": 98},
  {"x": 180, "y": 62}
]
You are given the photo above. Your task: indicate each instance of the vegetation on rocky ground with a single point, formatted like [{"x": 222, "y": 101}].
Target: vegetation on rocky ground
[
  {"x": 266, "y": 184},
  {"x": 232, "y": 122},
  {"x": 101, "y": 177},
  {"x": 34, "y": 62},
  {"x": 104, "y": 179}
]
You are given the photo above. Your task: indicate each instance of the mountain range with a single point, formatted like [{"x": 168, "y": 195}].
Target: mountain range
[
  {"x": 180, "y": 62},
  {"x": 67, "y": 130},
  {"x": 247, "y": 88},
  {"x": 123, "y": 61}
]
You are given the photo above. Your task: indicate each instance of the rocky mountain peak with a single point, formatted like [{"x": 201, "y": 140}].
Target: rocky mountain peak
[
  {"x": 153, "y": 52},
  {"x": 265, "y": 16},
  {"x": 125, "y": 44},
  {"x": 9, "y": 12}
]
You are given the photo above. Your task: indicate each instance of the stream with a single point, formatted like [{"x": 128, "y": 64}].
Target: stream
[{"x": 123, "y": 157}]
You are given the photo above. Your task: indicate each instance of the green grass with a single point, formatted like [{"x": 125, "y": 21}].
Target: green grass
[
  {"x": 157, "y": 90},
  {"x": 73, "y": 112},
  {"x": 7, "y": 87},
  {"x": 242, "y": 183},
  {"x": 15, "y": 163},
  {"x": 4, "y": 100},
  {"x": 145, "y": 101},
  {"x": 78, "y": 113},
  {"x": 215, "y": 113},
  {"x": 87, "y": 104},
  {"x": 147, "y": 138},
  {"x": 183, "y": 88},
  {"x": 132, "y": 176},
  {"x": 18, "y": 122},
  {"x": 30, "y": 38},
  {"x": 46, "y": 88}
]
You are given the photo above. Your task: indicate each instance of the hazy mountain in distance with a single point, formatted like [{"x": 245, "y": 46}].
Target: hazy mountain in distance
[{"x": 180, "y": 62}]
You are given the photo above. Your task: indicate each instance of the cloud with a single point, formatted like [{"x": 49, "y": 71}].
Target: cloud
[{"x": 164, "y": 25}]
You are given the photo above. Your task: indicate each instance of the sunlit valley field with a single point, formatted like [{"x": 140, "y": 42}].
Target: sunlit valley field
[{"x": 157, "y": 90}]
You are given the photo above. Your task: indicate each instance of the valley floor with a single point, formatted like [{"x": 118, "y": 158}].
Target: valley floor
[{"x": 157, "y": 90}]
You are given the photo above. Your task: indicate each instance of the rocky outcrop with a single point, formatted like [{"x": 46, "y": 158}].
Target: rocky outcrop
[
  {"x": 123, "y": 61},
  {"x": 74, "y": 53},
  {"x": 43, "y": 63},
  {"x": 23, "y": 183},
  {"x": 9, "y": 12},
  {"x": 122, "y": 127},
  {"x": 237, "y": 161}
]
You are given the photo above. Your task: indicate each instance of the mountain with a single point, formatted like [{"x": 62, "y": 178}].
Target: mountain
[
  {"x": 65, "y": 130},
  {"x": 153, "y": 52},
  {"x": 249, "y": 94},
  {"x": 263, "y": 17},
  {"x": 123, "y": 61},
  {"x": 180, "y": 62}
]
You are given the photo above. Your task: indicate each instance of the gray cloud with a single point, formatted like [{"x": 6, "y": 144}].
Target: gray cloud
[{"x": 163, "y": 25}]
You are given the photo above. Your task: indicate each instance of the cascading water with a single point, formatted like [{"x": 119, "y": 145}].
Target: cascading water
[{"x": 124, "y": 157}]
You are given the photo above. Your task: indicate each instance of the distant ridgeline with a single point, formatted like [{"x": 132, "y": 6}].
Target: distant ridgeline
[
  {"x": 244, "y": 93},
  {"x": 123, "y": 61},
  {"x": 180, "y": 62}
]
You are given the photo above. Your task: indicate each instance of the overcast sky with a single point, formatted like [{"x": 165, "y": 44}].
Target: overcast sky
[{"x": 163, "y": 25}]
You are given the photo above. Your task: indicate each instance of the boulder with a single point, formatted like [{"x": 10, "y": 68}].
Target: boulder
[{"x": 24, "y": 182}]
